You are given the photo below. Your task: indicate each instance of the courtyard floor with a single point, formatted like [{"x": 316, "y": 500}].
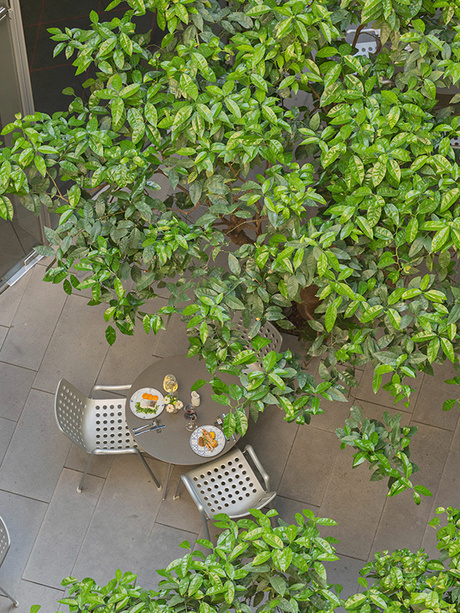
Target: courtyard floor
[{"x": 120, "y": 520}]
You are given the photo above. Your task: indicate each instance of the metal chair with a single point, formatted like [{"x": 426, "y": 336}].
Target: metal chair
[
  {"x": 97, "y": 426},
  {"x": 227, "y": 485},
  {"x": 267, "y": 330},
  {"x": 4, "y": 546}
]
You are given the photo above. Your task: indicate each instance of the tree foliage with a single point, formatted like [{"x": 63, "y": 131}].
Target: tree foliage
[
  {"x": 295, "y": 162},
  {"x": 255, "y": 567}
]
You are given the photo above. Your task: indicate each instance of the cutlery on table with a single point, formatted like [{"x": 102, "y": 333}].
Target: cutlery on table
[{"x": 148, "y": 427}]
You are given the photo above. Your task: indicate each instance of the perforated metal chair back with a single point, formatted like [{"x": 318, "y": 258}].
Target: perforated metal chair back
[
  {"x": 4, "y": 547},
  {"x": 228, "y": 485},
  {"x": 92, "y": 423},
  {"x": 97, "y": 426},
  {"x": 267, "y": 330},
  {"x": 4, "y": 540}
]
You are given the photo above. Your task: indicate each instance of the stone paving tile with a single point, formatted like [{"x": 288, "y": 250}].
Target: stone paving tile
[
  {"x": 172, "y": 341},
  {"x": 23, "y": 517},
  {"x": 29, "y": 594},
  {"x": 181, "y": 513},
  {"x": 15, "y": 383},
  {"x": 309, "y": 466},
  {"x": 355, "y": 502},
  {"x": 67, "y": 354},
  {"x": 63, "y": 529},
  {"x": 403, "y": 523},
  {"x": 6, "y": 434},
  {"x": 10, "y": 300},
  {"x": 433, "y": 393},
  {"x": 118, "y": 534},
  {"x": 269, "y": 433},
  {"x": 288, "y": 508},
  {"x": 448, "y": 492},
  {"x": 334, "y": 416},
  {"x": 35, "y": 457},
  {"x": 77, "y": 460},
  {"x": 366, "y": 393},
  {"x": 161, "y": 548},
  {"x": 345, "y": 572},
  {"x": 33, "y": 322}
]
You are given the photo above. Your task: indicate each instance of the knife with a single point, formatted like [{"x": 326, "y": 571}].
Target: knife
[{"x": 148, "y": 427}]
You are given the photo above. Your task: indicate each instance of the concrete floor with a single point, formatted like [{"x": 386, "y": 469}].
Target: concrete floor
[{"x": 120, "y": 520}]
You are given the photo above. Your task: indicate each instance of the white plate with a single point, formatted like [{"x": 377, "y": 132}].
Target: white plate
[
  {"x": 204, "y": 451},
  {"x": 137, "y": 397}
]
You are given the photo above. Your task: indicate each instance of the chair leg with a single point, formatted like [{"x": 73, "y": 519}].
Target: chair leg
[
  {"x": 154, "y": 479},
  {"x": 88, "y": 464},
  {"x": 204, "y": 521},
  {"x": 177, "y": 494},
  {"x": 13, "y": 600},
  {"x": 167, "y": 481}
]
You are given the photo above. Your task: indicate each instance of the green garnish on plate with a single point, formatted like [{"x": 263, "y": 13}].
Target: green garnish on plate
[{"x": 145, "y": 410}]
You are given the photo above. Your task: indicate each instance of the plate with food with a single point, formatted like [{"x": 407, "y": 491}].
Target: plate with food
[
  {"x": 147, "y": 403},
  {"x": 207, "y": 441}
]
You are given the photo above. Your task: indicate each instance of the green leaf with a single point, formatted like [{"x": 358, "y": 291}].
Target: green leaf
[
  {"x": 126, "y": 43},
  {"x": 379, "y": 172},
  {"x": 136, "y": 121},
  {"x": 234, "y": 264},
  {"x": 73, "y": 195},
  {"x": 331, "y": 313},
  {"x": 439, "y": 239},
  {"x": 198, "y": 384},
  {"x": 195, "y": 191},
  {"x": 448, "y": 349},
  {"x": 233, "y": 107},
  {"x": 273, "y": 540},
  {"x": 282, "y": 28},
  {"x": 151, "y": 114},
  {"x": 117, "y": 109},
  {"x": 259, "y": 82},
  {"x": 6, "y": 208},
  {"x": 433, "y": 349},
  {"x": 449, "y": 404},
  {"x": 412, "y": 230},
  {"x": 331, "y": 155},
  {"x": 40, "y": 165},
  {"x": 110, "y": 335},
  {"x": 188, "y": 86}
]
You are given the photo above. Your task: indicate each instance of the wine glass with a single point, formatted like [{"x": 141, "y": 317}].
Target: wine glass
[
  {"x": 170, "y": 384},
  {"x": 191, "y": 415}
]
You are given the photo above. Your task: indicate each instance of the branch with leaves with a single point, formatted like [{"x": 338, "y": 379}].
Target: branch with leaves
[{"x": 304, "y": 166}]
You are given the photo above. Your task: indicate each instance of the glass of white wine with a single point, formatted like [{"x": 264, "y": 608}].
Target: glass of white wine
[{"x": 170, "y": 384}]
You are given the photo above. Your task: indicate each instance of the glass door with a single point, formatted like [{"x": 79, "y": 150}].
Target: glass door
[{"x": 25, "y": 231}]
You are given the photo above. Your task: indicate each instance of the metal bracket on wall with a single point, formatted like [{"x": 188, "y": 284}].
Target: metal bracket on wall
[{"x": 4, "y": 13}]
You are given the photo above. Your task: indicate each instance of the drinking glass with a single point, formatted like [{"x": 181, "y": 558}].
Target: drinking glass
[
  {"x": 191, "y": 416},
  {"x": 170, "y": 384}
]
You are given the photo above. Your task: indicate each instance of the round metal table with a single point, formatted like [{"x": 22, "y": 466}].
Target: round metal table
[{"x": 171, "y": 444}]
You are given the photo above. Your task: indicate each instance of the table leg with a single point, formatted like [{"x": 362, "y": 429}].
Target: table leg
[{"x": 167, "y": 481}]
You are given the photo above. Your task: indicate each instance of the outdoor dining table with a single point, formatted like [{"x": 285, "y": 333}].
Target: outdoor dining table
[{"x": 171, "y": 444}]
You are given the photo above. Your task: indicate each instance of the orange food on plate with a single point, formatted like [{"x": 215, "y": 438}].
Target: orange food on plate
[{"x": 150, "y": 397}]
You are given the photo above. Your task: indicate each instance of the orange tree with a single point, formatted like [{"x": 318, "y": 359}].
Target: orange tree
[{"x": 345, "y": 203}]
